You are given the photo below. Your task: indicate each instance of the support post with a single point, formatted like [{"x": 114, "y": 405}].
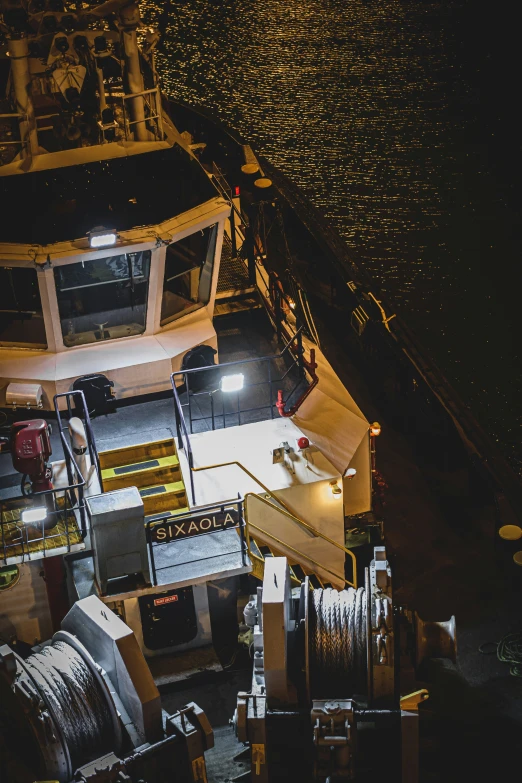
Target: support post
[
  {"x": 130, "y": 20},
  {"x": 18, "y": 55}
]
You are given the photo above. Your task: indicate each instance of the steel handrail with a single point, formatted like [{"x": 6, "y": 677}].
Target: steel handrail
[
  {"x": 315, "y": 533},
  {"x": 301, "y": 522},
  {"x": 182, "y": 428},
  {"x": 91, "y": 442},
  {"x": 297, "y": 552},
  {"x": 272, "y": 357}
]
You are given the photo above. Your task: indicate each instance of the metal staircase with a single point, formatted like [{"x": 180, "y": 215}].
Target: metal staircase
[
  {"x": 151, "y": 467},
  {"x": 259, "y": 552}
]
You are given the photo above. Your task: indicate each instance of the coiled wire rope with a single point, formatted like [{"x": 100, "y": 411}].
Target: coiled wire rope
[
  {"x": 76, "y": 699},
  {"x": 508, "y": 650},
  {"x": 337, "y": 642}
]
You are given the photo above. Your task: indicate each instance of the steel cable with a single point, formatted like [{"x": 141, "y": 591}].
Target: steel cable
[
  {"x": 337, "y": 638},
  {"x": 77, "y": 700}
]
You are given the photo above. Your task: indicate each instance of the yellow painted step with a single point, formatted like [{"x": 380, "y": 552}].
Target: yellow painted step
[
  {"x": 258, "y": 557},
  {"x": 164, "y": 497},
  {"x": 172, "y": 513},
  {"x": 146, "y": 473},
  {"x": 128, "y": 455}
]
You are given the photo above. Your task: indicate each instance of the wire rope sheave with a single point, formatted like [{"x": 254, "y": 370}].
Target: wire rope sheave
[
  {"x": 337, "y": 638},
  {"x": 65, "y": 702}
]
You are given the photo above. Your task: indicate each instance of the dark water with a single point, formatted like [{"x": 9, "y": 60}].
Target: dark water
[{"x": 398, "y": 120}]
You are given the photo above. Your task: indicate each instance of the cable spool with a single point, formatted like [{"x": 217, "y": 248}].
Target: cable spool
[
  {"x": 336, "y": 631},
  {"x": 58, "y": 698}
]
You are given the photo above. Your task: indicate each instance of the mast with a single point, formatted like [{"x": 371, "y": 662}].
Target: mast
[
  {"x": 130, "y": 21},
  {"x": 18, "y": 55}
]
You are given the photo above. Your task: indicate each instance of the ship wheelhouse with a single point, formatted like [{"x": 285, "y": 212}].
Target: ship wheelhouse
[{"x": 133, "y": 308}]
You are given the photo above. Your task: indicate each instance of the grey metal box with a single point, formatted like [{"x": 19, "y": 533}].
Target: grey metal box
[{"x": 118, "y": 535}]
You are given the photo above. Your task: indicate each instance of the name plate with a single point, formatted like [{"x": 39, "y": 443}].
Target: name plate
[{"x": 193, "y": 526}]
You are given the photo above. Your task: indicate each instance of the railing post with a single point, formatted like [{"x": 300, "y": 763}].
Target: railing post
[
  {"x": 81, "y": 507},
  {"x": 151, "y": 555},
  {"x": 233, "y": 233},
  {"x": 242, "y": 532},
  {"x": 185, "y": 376},
  {"x": 269, "y": 362},
  {"x": 177, "y": 417},
  {"x": 191, "y": 468},
  {"x": 278, "y": 311},
  {"x": 251, "y": 258},
  {"x": 300, "y": 349}
]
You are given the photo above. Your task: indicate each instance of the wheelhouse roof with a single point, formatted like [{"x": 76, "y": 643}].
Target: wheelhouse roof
[{"x": 60, "y": 204}]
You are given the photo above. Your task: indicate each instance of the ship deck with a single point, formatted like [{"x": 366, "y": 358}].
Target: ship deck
[{"x": 446, "y": 559}]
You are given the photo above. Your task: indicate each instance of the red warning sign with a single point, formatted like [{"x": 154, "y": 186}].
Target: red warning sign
[{"x": 166, "y": 599}]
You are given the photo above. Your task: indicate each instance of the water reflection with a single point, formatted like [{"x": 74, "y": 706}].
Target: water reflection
[{"x": 368, "y": 107}]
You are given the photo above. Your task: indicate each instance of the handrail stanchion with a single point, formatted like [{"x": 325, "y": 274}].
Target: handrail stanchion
[
  {"x": 278, "y": 313},
  {"x": 189, "y": 403},
  {"x": 270, "y": 398},
  {"x": 191, "y": 467},
  {"x": 148, "y": 537},
  {"x": 81, "y": 509},
  {"x": 241, "y": 529}
]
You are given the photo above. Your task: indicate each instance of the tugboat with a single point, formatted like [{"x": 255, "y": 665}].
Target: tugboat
[{"x": 181, "y": 425}]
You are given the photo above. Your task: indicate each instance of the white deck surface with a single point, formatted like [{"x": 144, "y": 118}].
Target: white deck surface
[{"x": 252, "y": 445}]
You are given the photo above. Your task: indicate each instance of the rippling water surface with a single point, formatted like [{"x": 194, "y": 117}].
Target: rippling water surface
[{"x": 374, "y": 108}]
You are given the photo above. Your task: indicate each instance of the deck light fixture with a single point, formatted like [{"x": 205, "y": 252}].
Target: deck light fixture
[
  {"x": 33, "y": 515},
  {"x": 350, "y": 473},
  {"x": 336, "y": 489},
  {"x": 102, "y": 237},
  {"x": 375, "y": 429},
  {"x": 232, "y": 383}
]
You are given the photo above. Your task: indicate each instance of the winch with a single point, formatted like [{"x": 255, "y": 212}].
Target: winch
[
  {"x": 84, "y": 707},
  {"x": 334, "y": 686}
]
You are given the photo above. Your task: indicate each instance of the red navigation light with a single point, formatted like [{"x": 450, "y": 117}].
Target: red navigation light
[
  {"x": 303, "y": 443},
  {"x": 236, "y": 190}
]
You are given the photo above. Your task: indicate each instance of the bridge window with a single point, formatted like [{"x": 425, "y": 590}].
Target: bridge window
[
  {"x": 103, "y": 299},
  {"x": 188, "y": 274},
  {"x": 21, "y": 317}
]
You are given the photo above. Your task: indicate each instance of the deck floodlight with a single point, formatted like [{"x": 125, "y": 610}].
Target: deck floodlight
[
  {"x": 32, "y": 515},
  {"x": 350, "y": 473},
  {"x": 334, "y": 486},
  {"x": 232, "y": 383},
  {"x": 102, "y": 237}
]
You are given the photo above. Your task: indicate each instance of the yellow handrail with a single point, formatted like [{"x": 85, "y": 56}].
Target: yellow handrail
[
  {"x": 287, "y": 512},
  {"x": 295, "y": 551}
]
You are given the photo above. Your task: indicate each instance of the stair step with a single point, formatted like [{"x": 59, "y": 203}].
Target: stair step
[
  {"x": 314, "y": 580},
  {"x": 166, "y": 515},
  {"x": 129, "y": 455},
  {"x": 298, "y": 571},
  {"x": 260, "y": 553},
  {"x": 145, "y": 473},
  {"x": 255, "y": 549},
  {"x": 163, "y": 497}
]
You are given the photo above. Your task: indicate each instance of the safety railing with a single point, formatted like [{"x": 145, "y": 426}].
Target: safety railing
[
  {"x": 55, "y": 529},
  {"x": 82, "y": 412},
  {"x": 153, "y": 118},
  {"x": 167, "y": 529},
  {"x": 237, "y": 403},
  {"x": 59, "y": 517},
  {"x": 183, "y": 436}
]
